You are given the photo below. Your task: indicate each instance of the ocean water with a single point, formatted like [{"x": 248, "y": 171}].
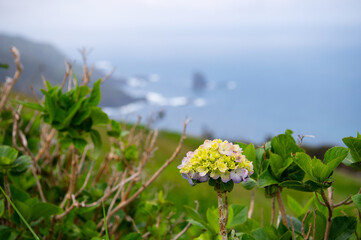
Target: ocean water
[{"x": 251, "y": 97}]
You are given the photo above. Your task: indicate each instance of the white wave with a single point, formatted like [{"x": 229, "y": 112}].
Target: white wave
[
  {"x": 157, "y": 99},
  {"x": 131, "y": 108},
  {"x": 116, "y": 112},
  {"x": 177, "y": 101},
  {"x": 136, "y": 82},
  {"x": 199, "y": 102},
  {"x": 104, "y": 66}
]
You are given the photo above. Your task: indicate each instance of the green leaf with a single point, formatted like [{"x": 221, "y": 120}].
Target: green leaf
[
  {"x": 354, "y": 144},
  {"x": 249, "y": 226},
  {"x": 98, "y": 116},
  {"x": 286, "y": 236},
  {"x": 97, "y": 142},
  {"x": 50, "y": 105},
  {"x": 259, "y": 159},
  {"x": 113, "y": 133},
  {"x": 289, "y": 132},
  {"x": 239, "y": 215},
  {"x": 18, "y": 194},
  {"x": 115, "y": 125},
  {"x": 250, "y": 184},
  {"x": 226, "y": 187},
  {"x": 284, "y": 145},
  {"x": 279, "y": 165},
  {"x": 297, "y": 225},
  {"x": 308, "y": 186},
  {"x": 196, "y": 219},
  {"x": 48, "y": 85},
  {"x": 304, "y": 162},
  {"x": 357, "y": 201},
  {"x": 95, "y": 95},
  {"x": 34, "y": 106},
  {"x": 105, "y": 223},
  {"x": 7, "y": 155},
  {"x": 319, "y": 206},
  {"x": 42, "y": 209},
  {"x": 247, "y": 237},
  {"x": 266, "y": 233},
  {"x": 342, "y": 227},
  {"x": 24, "y": 208},
  {"x": 294, "y": 205},
  {"x": 332, "y": 159},
  {"x": 320, "y": 224},
  {"x": 71, "y": 113},
  {"x": 83, "y": 91},
  {"x": 241, "y": 145},
  {"x": 335, "y": 154},
  {"x": 317, "y": 169},
  {"x": 20, "y": 215},
  {"x": 2, "y": 207},
  {"x": 133, "y": 236},
  {"x": 212, "y": 219},
  {"x": 79, "y": 143},
  {"x": 250, "y": 152},
  {"x": 81, "y": 116},
  {"x": 266, "y": 179},
  {"x": 21, "y": 164},
  {"x": 131, "y": 152}
]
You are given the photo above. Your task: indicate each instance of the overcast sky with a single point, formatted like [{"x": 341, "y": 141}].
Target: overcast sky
[{"x": 163, "y": 25}]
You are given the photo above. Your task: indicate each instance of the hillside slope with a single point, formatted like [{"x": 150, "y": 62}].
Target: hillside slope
[{"x": 45, "y": 59}]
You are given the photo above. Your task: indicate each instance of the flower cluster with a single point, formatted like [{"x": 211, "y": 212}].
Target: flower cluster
[{"x": 216, "y": 159}]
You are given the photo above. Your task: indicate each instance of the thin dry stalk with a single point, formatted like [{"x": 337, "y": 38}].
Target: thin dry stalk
[
  {"x": 117, "y": 193},
  {"x": 86, "y": 75},
  {"x": 68, "y": 67},
  {"x": 73, "y": 176},
  {"x": 86, "y": 180},
  {"x": 293, "y": 230},
  {"x": 251, "y": 205},
  {"x": 314, "y": 224},
  {"x": 10, "y": 86},
  {"x": 306, "y": 236},
  {"x": 46, "y": 145},
  {"x": 184, "y": 230},
  {"x": 115, "y": 225},
  {"x": 330, "y": 213},
  {"x": 122, "y": 204},
  {"x": 106, "y": 77},
  {"x": 109, "y": 191},
  {"x": 273, "y": 210},
  {"x": 282, "y": 208},
  {"x": 226, "y": 207},
  {"x": 38, "y": 185}
]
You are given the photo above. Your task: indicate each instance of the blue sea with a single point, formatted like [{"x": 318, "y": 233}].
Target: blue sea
[{"x": 249, "y": 97}]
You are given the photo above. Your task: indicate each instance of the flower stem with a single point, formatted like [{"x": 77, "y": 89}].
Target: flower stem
[
  {"x": 222, "y": 217},
  {"x": 330, "y": 211},
  {"x": 7, "y": 191},
  {"x": 282, "y": 208}
]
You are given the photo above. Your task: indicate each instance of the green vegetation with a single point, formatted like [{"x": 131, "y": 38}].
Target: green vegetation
[{"x": 69, "y": 172}]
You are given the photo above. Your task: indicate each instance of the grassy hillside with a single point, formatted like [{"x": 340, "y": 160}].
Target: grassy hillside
[{"x": 181, "y": 193}]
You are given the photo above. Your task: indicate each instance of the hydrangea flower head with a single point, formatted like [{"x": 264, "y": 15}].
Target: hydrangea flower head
[{"x": 216, "y": 159}]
